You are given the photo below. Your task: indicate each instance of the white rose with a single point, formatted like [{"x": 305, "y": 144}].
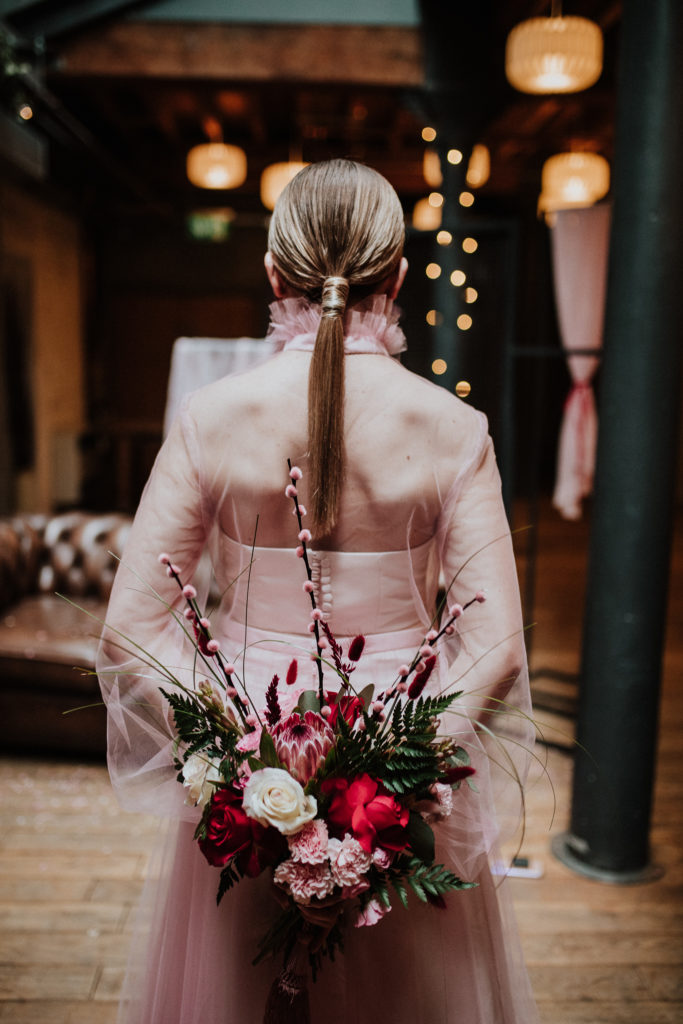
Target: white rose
[
  {"x": 273, "y": 797},
  {"x": 200, "y": 776}
]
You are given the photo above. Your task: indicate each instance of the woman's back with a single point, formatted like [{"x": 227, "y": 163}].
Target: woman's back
[{"x": 405, "y": 443}]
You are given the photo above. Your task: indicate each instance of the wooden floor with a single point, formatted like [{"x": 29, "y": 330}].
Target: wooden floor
[{"x": 71, "y": 863}]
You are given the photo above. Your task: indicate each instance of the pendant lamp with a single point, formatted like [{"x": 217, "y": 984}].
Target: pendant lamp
[
  {"x": 554, "y": 55},
  {"x": 573, "y": 180},
  {"x": 217, "y": 165},
  {"x": 431, "y": 168},
  {"x": 275, "y": 178},
  {"x": 479, "y": 167}
]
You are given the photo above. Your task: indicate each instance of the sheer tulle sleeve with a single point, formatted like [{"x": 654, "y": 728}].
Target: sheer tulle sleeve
[
  {"x": 141, "y": 634},
  {"x": 490, "y": 666}
]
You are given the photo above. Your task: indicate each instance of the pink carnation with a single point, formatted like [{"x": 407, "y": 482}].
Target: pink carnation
[
  {"x": 350, "y": 891},
  {"x": 370, "y": 914},
  {"x": 309, "y": 844},
  {"x": 250, "y": 741},
  {"x": 348, "y": 860},
  {"x": 304, "y": 881}
]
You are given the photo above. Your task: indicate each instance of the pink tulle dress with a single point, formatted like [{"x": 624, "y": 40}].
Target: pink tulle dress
[{"x": 421, "y": 500}]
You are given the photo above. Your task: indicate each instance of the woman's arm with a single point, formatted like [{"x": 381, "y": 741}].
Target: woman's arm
[{"x": 170, "y": 519}]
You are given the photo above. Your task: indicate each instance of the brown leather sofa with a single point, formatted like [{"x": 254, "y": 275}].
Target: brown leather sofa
[{"x": 47, "y": 645}]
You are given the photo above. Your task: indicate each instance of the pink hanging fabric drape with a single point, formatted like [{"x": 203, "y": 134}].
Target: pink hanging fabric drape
[{"x": 580, "y": 241}]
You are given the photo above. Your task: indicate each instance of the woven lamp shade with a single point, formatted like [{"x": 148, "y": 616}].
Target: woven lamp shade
[
  {"x": 275, "y": 178},
  {"x": 217, "y": 165},
  {"x": 573, "y": 180},
  {"x": 546, "y": 55}
]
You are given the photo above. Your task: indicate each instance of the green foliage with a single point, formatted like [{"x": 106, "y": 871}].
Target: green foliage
[
  {"x": 356, "y": 752},
  {"x": 421, "y": 838},
  {"x": 426, "y": 880},
  {"x": 308, "y": 701},
  {"x": 267, "y": 752},
  {"x": 190, "y": 720},
  {"x": 229, "y": 877}
]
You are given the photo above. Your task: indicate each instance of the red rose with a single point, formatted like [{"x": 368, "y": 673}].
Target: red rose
[
  {"x": 351, "y": 708},
  {"x": 232, "y": 835},
  {"x": 363, "y": 808}
]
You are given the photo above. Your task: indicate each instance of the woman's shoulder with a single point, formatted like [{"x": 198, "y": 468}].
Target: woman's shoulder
[{"x": 447, "y": 414}]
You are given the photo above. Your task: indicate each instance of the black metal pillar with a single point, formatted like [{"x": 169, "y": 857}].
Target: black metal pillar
[{"x": 631, "y": 532}]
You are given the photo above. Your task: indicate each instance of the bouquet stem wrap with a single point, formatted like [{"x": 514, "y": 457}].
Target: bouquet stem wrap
[{"x": 288, "y": 1001}]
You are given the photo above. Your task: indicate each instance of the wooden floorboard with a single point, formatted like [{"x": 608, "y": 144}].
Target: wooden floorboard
[{"x": 72, "y": 863}]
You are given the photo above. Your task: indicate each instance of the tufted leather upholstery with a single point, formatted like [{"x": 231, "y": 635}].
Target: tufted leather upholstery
[{"x": 45, "y": 640}]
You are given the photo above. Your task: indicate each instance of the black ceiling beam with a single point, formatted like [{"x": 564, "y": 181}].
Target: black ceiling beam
[{"x": 48, "y": 19}]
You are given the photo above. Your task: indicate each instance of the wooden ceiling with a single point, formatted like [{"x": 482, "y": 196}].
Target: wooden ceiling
[{"x": 124, "y": 100}]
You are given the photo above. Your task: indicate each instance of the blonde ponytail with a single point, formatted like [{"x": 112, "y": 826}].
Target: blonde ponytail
[
  {"x": 326, "y": 408},
  {"x": 336, "y": 226}
]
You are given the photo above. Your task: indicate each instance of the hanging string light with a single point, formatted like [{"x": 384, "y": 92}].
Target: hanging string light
[{"x": 554, "y": 55}]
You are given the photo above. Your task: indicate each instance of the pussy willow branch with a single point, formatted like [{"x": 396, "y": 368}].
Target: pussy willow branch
[{"x": 297, "y": 510}]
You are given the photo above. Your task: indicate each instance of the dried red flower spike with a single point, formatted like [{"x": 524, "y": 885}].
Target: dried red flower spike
[
  {"x": 356, "y": 648},
  {"x": 292, "y": 671},
  {"x": 420, "y": 679}
]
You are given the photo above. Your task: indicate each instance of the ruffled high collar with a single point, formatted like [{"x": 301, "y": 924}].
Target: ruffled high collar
[{"x": 370, "y": 327}]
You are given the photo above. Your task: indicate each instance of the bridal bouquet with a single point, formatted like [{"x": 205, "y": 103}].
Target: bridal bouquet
[{"x": 334, "y": 790}]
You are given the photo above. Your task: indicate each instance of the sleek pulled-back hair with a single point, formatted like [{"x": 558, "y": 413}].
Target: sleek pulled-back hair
[{"x": 337, "y": 228}]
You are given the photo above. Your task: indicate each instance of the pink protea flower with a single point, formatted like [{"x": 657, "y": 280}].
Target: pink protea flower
[
  {"x": 309, "y": 844},
  {"x": 304, "y": 881},
  {"x": 349, "y": 862},
  {"x": 301, "y": 743}
]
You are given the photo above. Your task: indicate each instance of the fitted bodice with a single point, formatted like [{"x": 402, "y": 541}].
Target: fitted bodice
[{"x": 357, "y": 591}]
